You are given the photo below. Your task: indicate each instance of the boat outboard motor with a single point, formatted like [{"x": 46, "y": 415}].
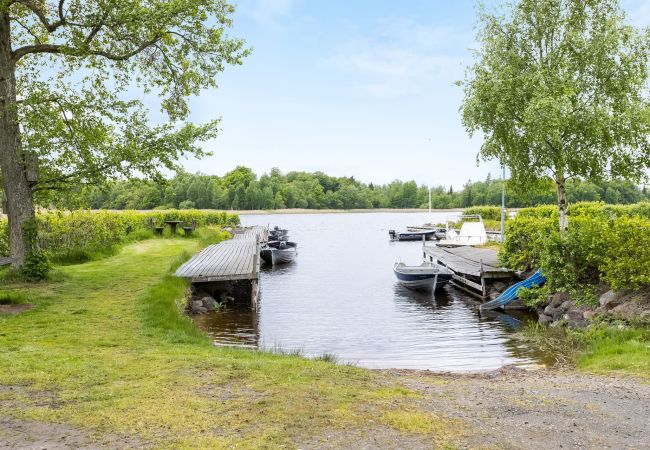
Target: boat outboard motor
[{"x": 392, "y": 234}]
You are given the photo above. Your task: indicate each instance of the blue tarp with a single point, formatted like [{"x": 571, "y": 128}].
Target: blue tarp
[{"x": 510, "y": 294}]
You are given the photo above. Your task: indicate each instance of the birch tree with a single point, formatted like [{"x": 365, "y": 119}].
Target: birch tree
[{"x": 559, "y": 89}]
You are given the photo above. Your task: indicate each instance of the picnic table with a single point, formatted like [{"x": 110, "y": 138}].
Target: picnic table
[{"x": 172, "y": 224}]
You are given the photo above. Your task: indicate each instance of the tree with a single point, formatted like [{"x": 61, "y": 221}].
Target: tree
[
  {"x": 559, "y": 89},
  {"x": 67, "y": 73}
]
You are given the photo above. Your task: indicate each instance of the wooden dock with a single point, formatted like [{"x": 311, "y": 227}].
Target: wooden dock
[
  {"x": 219, "y": 267},
  {"x": 4, "y": 261},
  {"x": 474, "y": 268}
]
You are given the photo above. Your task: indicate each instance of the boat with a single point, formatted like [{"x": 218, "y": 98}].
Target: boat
[
  {"x": 427, "y": 276},
  {"x": 440, "y": 232},
  {"x": 411, "y": 235},
  {"x": 279, "y": 252},
  {"x": 282, "y": 244},
  {"x": 471, "y": 233},
  {"x": 278, "y": 234}
]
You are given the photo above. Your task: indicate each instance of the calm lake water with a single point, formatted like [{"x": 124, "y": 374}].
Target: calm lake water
[{"x": 340, "y": 296}]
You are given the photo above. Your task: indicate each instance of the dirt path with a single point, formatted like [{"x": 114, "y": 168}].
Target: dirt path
[
  {"x": 513, "y": 408},
  {"x": 509, "y": 408}
]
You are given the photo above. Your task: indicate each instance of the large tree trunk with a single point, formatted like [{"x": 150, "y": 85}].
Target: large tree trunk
[
  {"x": 20, "y": 208},
  {"x": 562, "y": 203}
]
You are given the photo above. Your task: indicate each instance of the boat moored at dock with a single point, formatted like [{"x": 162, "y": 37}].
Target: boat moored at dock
[
  {"x": 426, "y": 276},
  {"x": 411, "y": 235}
]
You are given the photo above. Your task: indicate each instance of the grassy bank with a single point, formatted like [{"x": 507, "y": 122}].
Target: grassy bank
[
  {"x": 600, "y": 349},
  {"x": 107, "y": 349}
]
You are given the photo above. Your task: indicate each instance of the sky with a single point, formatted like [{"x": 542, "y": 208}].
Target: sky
[{"x": 362, "y": 88}]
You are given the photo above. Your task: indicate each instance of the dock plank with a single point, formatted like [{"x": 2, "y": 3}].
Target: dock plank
[
  {"x": 468, "y": 261},
  {"x": 5, "y": 261},
  {"x": 232, "y": 259}
]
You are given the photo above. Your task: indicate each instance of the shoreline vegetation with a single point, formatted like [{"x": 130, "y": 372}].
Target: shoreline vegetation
[
  {"x": 241, "y": 189},
  {"x": 130, "y": 369}
]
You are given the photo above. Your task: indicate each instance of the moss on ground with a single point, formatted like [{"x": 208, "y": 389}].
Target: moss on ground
[{"x": 108, "y": 349}]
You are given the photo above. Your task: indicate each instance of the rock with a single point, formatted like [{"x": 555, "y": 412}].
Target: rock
[
  {"x": 544, "y": 319},
  {"x": 200, "y": 310},
  {"x": 628, "y": 311},
  {"x": 579, "y": 323},
  {"x": 610, "y": 299},
  {"x": 558, "y": 323},
  {"x": 588, "y": 315},
  {"x": 645, "y": 316},
  {"x": 573, "y": 314},
  {"x": 558, "y": 298},
  {"x": 566, "y": 305},
  {"x": 209, "y": 303},
  {"x": 499, "y": 286},
  {"x": 550, "y": 311},
  {"x": 225, "y": 298},
  {"x": 194, "y": 304}
]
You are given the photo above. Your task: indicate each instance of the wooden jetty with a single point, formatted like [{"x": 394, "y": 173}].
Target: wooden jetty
[
  {"x": 475, "y": 269},
  {"x": 231, "y": 267}
]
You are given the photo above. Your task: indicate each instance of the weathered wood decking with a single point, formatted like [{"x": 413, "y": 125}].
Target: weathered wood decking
[
  {"x": 473, "y": 261},
  {"x": 5, "y": 261},
  {"x": 236, "y": 259},
  {"x": 232, "y": 260},
  {"x": 473, "y": 267}
]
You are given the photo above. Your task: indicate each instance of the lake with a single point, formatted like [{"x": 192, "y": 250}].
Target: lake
[{"x": 340, "y": 297}]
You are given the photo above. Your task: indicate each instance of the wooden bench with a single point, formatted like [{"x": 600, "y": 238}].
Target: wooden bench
[
  {"x": 190, "y": 229},
  {"x": 154, "y": 228}
]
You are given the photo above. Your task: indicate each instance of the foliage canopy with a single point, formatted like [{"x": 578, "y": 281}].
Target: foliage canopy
[{"x": 559, "y": 89}]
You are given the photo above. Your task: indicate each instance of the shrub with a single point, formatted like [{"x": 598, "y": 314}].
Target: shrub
[
  {"x": 76, "y": 235},
  {"x": 4, "y": 236},
  {"x": 486, "y": 212},
  {"x": 605, "y": 243}
]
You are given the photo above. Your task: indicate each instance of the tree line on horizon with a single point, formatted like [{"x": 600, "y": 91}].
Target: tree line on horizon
[{"x": 242, "y": 189}]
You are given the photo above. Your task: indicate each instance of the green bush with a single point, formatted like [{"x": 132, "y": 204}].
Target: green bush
[
  {"x": 486, "y": 212},
  {"x": 76, "y": 235},
  {"x": 627, "y": 263},
  {"x": 4, "y": 237},
  {"x": 604, "y": 243}
]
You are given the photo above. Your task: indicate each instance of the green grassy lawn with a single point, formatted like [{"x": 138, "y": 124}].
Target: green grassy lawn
[
  {"x": 618, "y": 351},
  {"x": 108, "y": 349}
]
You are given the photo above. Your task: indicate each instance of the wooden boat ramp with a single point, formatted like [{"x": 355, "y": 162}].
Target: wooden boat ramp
[
  {"x": 230, "y": 268},
  {"x": 475, "y": 269}
]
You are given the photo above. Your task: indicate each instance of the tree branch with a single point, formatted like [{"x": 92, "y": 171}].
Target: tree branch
[
  {"x": 56, "y": 49},
  {"x": 36, "y": 9}
]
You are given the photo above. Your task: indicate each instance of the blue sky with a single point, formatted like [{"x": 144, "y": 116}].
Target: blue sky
[{"x": 358, "y": 88}]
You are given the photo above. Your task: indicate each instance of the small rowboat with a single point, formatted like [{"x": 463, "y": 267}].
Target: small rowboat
[
  {"x": 279, "y": 252},
  {"x": 411, "y": 235},
  {"x": 426, "y": 276}
]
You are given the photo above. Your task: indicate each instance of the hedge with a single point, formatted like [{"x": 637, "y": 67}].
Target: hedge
[
  {"x": 604, "y": 243},
  {"x": 67, "y": 233}
]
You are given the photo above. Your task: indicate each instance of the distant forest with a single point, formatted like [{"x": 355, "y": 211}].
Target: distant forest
[{"x": 242, "y": 189}]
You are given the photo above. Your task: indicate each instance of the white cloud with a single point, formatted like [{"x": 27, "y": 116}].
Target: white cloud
[
  {"x": 267, "y": 12},
  {"x": 398, "y": 59}
]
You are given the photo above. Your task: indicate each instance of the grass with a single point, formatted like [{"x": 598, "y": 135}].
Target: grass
[
  {"x": 600, "y": 349},
  {"x": 612, "y": 350},
  {"x": 108, "y": 349}
]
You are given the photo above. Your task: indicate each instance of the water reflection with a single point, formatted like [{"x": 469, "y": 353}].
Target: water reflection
[
  {"x": 341, "y": 297},
  {"x": 237, "y": 326}
]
